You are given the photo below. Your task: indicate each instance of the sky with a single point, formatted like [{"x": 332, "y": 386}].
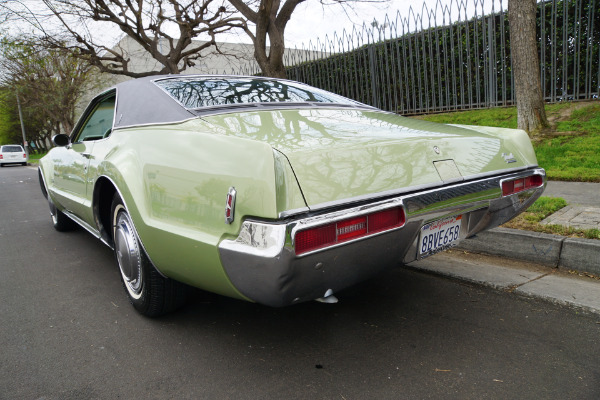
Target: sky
[{"x": 312, "y": 21}]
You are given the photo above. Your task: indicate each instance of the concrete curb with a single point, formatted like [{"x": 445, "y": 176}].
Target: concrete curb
[
  {"x": 551, "y": 250},
  {"x": 581, "y": 255},
  {"x": 522, "y": 278}
]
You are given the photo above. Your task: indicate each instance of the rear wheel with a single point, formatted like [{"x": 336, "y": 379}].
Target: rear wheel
[{"x": 149, "y": 292}]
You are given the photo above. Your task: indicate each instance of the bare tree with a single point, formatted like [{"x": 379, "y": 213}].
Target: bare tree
[
  {"x": 531, "y": 115},
  {"x": 163, "y": 28},
  {"x": 270, "y": 18}
]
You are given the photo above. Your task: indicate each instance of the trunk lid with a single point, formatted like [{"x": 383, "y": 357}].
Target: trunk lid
[{"x": 346, "y": 154}]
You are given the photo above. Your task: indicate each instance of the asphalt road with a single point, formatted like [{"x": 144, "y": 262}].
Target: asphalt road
[{"x": 68, "y": 332}]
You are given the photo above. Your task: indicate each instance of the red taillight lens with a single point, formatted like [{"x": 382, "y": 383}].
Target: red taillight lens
[
  {"x": 534, "y": 181},
  {"x": 518, "y": 185},
  {"x": 1, "y": 157},
  {"x": 316, "y": 238},
  {"x": 24, "y": 155},
  {"x": 386, "y": 219},
  {"x": 348, "y": 229}
]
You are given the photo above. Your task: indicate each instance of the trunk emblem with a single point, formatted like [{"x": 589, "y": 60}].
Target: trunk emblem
[
  {"x": 230, "y": 205},
  {"x": 509, "y": 158},
  {"x": 436, "y": 149}
]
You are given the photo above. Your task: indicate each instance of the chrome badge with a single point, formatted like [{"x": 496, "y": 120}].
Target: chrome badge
[
  {"x": 509, "y": 158},
  {"x": 230, "y": 205}
]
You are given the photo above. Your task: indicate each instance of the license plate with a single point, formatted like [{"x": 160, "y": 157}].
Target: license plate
[{"x": 439, "y": 235}]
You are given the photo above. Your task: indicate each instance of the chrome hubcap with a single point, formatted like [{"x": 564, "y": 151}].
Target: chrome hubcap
[{"x": 128, "y": 254}]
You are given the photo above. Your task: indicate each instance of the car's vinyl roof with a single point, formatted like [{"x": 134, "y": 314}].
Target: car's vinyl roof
[{"x": 142, "y": 102}]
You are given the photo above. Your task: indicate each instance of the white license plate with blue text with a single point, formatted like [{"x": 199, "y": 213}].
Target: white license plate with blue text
[{"x": 439, "y": 235}]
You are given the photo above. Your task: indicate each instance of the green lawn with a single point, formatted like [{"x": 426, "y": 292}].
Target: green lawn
[
  {"x": 35, "y": 158},
  {"x": 542, "y": 208},
  {"x": 569, "y": 152}
]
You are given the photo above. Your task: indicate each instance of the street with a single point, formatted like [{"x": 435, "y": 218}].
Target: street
[{"x": 68, "y": 332}]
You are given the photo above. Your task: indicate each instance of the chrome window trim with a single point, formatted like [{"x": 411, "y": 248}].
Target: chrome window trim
[
  {"x": 89, "y": 108},
  {"x": 156, "y": 124},
  {"x": 202, "y": 111}
]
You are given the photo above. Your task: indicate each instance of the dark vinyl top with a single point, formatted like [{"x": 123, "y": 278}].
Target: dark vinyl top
[{"x": 175, "y": 98}]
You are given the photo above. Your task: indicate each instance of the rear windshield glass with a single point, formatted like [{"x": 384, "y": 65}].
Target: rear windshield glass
[
  {"x": 204, "y": 92},
  {"x": 12, "y": 149}
]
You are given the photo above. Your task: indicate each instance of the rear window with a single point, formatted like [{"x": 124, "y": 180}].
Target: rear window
[
  {"x": 205, "y": 92},
  {"x": 12, "y": 149}
]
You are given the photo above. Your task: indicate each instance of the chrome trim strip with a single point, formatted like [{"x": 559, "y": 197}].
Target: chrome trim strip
[
  {"x": 396, "y": 192},
  {"x": 201, "y": 112},
  {"x": 501, "y": 171},
  {"x": 85, "y": 226},
  {"x": 155, "y": 124},
  {"x": 295, "y": 211}
]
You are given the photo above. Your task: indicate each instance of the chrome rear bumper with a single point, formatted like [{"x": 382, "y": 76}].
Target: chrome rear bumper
[{"x": 262, "y": 264}]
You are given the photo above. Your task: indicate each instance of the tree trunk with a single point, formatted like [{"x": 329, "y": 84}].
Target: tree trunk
[
  {"x": 271, "y": 65},
  {"x": 270, "y": 20},
  {"x": 531, "y": 115}
]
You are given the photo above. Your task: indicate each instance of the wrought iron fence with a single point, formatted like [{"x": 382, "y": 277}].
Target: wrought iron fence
[{"x": 454, "y": 56}]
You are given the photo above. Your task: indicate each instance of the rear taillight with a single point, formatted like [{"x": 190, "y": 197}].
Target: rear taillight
[
  {"x": 1, "y": 156},
  {"x": 518, "y": 185},
  {"x": 24, "y": 155},
  {"x": 348, "y": 229}
]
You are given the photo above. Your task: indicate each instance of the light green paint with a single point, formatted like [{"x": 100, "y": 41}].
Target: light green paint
[
  {"x": 177, "y": 202},
  {"x": 343, "y": 154}
]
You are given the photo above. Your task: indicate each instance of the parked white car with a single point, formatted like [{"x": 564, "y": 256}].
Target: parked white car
[{"x": 12, "y": 154}]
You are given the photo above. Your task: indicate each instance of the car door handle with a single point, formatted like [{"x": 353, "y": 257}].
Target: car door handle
[{"x": 87, "y": 155}]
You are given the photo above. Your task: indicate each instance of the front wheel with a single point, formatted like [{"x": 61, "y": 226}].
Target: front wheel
[
  {"x": 60, "y": 221},
  {"x": 149, "y": 292}
]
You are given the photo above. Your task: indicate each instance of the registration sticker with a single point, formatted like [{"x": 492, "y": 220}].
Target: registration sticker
[{"x": 439, "y": 235}]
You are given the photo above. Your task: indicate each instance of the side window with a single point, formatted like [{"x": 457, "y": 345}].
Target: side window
[{"x": 99, "y": 124}]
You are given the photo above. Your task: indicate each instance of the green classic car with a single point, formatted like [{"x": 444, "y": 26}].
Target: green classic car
[{"x": 272, "y": 191}]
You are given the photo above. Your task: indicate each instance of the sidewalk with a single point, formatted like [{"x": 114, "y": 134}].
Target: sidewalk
[
  {"x": 583, "y": 210},
  {"x": 517, "y": 261},
  {"x": 551, "y": 250}
]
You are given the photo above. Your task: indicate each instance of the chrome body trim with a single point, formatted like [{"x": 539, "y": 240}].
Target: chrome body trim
[
  {"x": 262, "y": 264},
  {"x": 87, "y": 227},
  {"x": 395, "y": 192},
  {"x": 230, "y": 207},
  {"x": 152, "y": 124}
]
